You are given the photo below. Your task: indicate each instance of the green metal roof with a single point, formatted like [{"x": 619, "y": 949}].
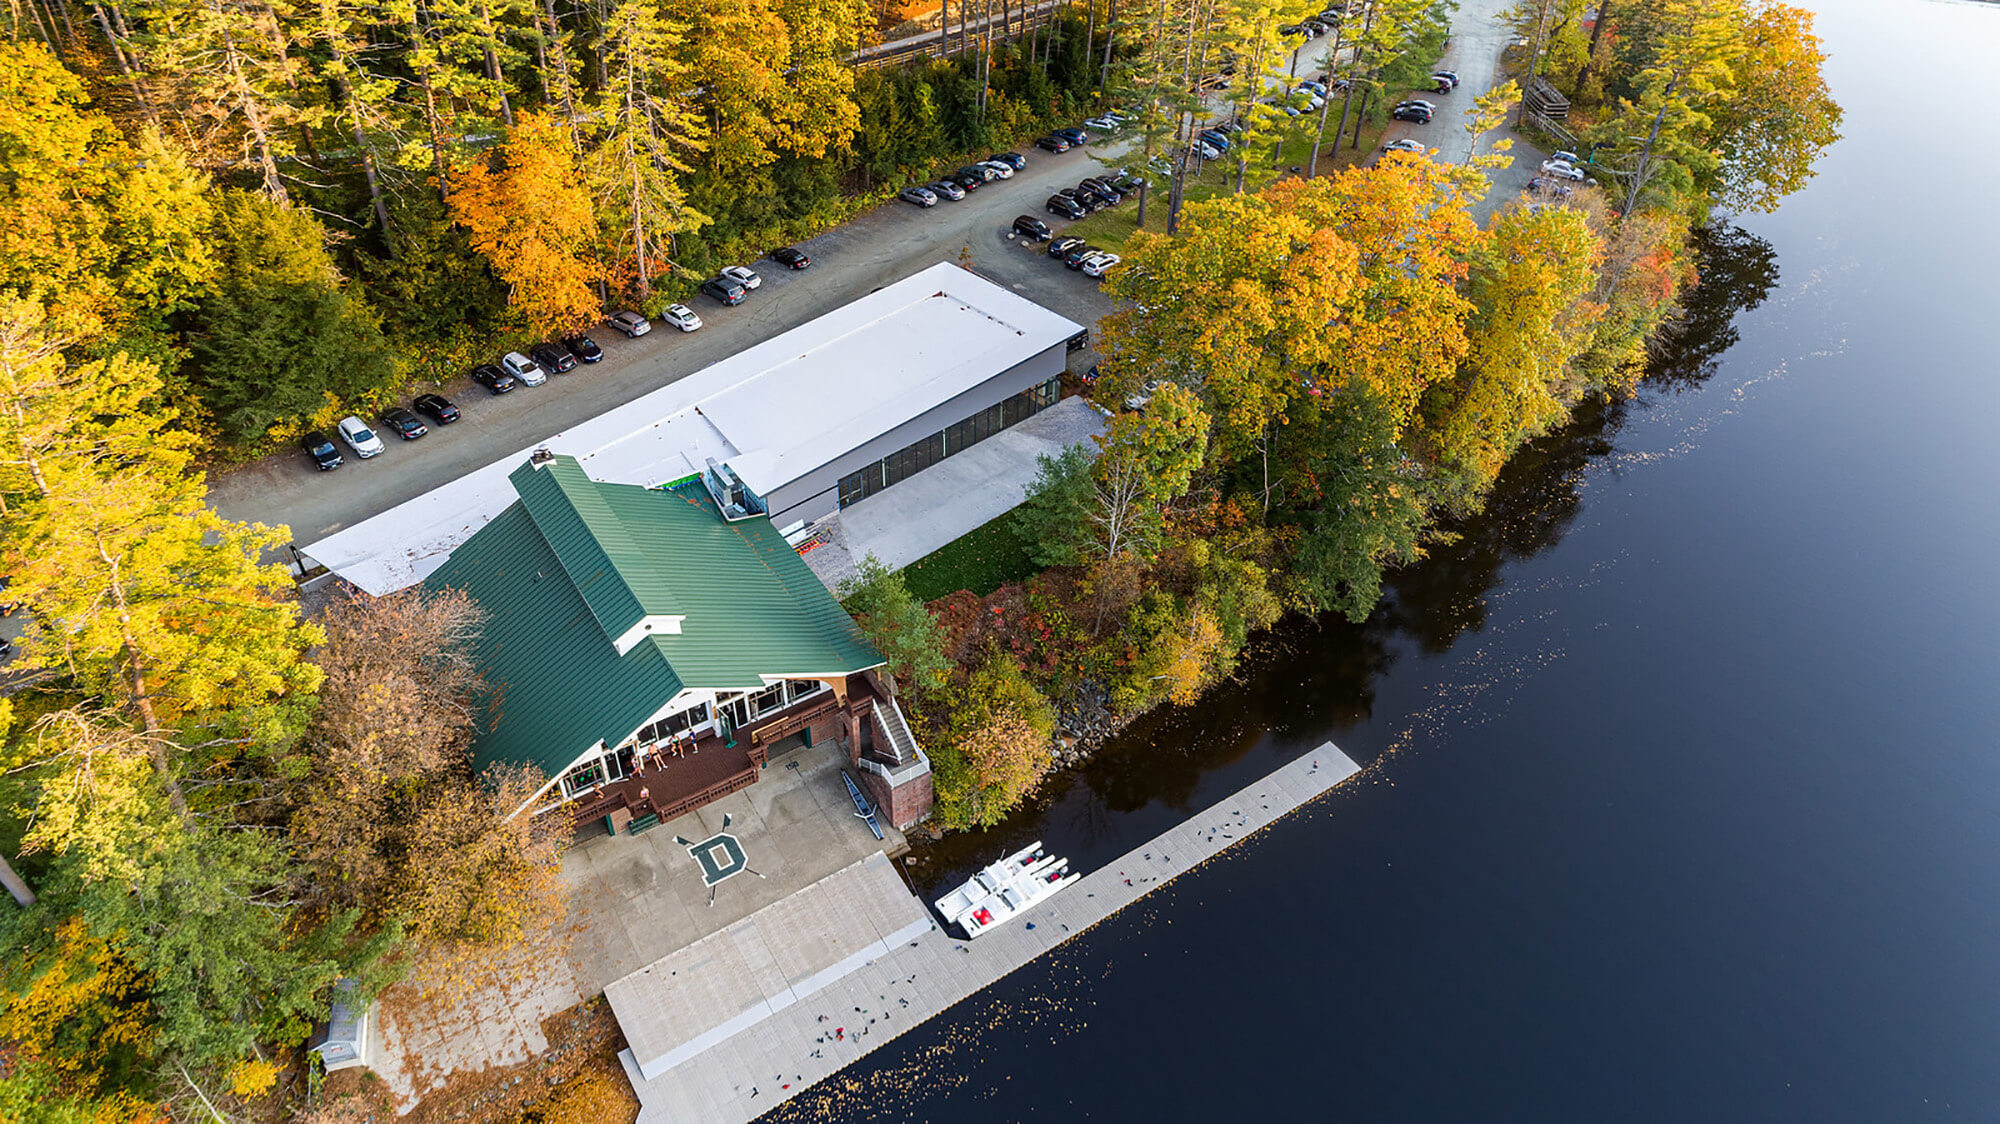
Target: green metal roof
[{"x": 575, "y": 563}]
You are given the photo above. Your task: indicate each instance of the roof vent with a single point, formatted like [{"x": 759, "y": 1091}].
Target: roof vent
[{"x": 541, "y": 456}]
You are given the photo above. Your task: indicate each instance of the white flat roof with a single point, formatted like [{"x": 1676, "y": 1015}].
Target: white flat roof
[{"x": 773, "y": 412}]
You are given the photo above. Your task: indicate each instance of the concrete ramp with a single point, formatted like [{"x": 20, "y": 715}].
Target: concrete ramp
[{"x": 724, "y": 983}]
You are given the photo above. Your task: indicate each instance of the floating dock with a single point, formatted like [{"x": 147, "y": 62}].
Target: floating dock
[{"x": 813, "y": 1028}]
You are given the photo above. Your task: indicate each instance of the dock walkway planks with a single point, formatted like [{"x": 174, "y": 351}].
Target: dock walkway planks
[{"x": 748, "y": 1074}]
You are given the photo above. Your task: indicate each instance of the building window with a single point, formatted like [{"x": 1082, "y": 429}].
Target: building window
[
  {"x": 673, "y": 725},
  {"x": 584, "y": 778},
  {"x": 796, "y": 689},
  {"x": 955, "y": 438}
]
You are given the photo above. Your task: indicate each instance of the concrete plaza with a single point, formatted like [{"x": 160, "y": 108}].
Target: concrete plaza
[{"x": 631, "y": 901}]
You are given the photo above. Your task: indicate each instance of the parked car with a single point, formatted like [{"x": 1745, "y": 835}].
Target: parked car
[
  {"x": 6, "y": 648},
  {"x": 979, "y": 173},
  {"x": 359, "y": 437},
  {"x": 1000, "y": 170},
  {"x": 790, "y": 257},
  {"x": 682, "y": 317},
  {"x": 1407, "y": 144},
  {"x": 1028, "y": 226},
  {"x": 921, "y": 196},
  {"x": 967, "y": 181},
  {"x": 1060, "y": 246},
  {"x": 1206, "y": 150},
  {"x": 584, "y": 348},
  {"x": 947, "y": 189},
  {"x": 1214, "y": 138},
  {"x": 1052, "y": 143},
  {"x": 1127, "y": 183},
  {"x": 404, "y": 424},
  {"x": 1101, "y": 193},
  {"x": 1566, "y": 156},
  {"x": 1446, "y": 78},
  {"x": 1427, "y": 105},
  {"x": 553, "y": 357},
  {"x": 727, "y": 290},
  {"x": 436, "y": 407},
  {"x": 1075, "y": 258},
  {"x": 1416, "y": 113},
  {"x": 1066, "y": 207},
  {"x": 1562, "y": 169},
  {"x": 631, "y": 323},
  {"x": 742, "y": 275},
  {"x": 324, "y": 453},
  {"x": 1072, "y": 134},
  {"x": 1315, "y": 85},
  {"x": 1013, "y": 160},
  {"x": 1104, "y": 123},
  {"x": 1545, "y": 184},
  {"x": 1087, "y": 200},
  {"x": 493, "y": 378},
  {"x": 523, "y": 368},
  {"x": 1097, "y": 265}
]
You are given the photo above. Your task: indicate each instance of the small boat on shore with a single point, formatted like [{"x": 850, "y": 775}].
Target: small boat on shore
[
  {"x": 863, "y": 810},
  {"x": 1008, "y": 887}
]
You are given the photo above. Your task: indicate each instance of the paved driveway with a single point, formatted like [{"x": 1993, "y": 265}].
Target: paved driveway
[{"x": 881, "y": 246}]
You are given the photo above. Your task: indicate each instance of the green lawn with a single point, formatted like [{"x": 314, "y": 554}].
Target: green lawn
[{"x": 981, "y": 560}]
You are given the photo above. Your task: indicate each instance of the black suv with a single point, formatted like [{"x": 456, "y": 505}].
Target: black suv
[
  {"x": 1053, "y": 143},
  {"x": 493, "y": 378},
  {"x": 584, "y": 348},
  {"x": 1074, "y": 259},
  {"x": 1101, "y": 190},
  {"x": 1032, "y": 227},
  {"x": 724, "y": 289},
  {"x": 1064, "y": 245},
  {"x": 966, "y": 181},
  {"x": 1013, "y": 160},
  {"x": 321, "y": 450},
  {"x": 406, "y": 425},
  {"x": 437, "y": 407},
  {"x": 1071, "y": 133},
  {"x": 1066, "y": 207},
  {"x": 1415, "y": 113},
  {"x": 553, "y": 357}
]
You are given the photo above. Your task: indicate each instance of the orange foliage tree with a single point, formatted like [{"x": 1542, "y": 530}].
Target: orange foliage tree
[{"x": 529, "y": 214}]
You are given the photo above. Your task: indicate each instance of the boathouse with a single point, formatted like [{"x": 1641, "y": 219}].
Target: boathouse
[{"x": 649, "y": 655}]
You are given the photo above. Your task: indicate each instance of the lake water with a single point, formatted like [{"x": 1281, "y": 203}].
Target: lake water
[{"x": 1683, "y": 786}]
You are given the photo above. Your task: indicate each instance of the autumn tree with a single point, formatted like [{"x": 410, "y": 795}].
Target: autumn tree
[
  {"x": 527, "y": 212},
  {"x": 394, "y": 823},
  {"x": 1532, "y": 289},
  {"x": 167, "y": 608},
  {"x": 995, "y": 743},
  {"x": 109, "y": 236},
  {"x": 1770, "y": 134}
]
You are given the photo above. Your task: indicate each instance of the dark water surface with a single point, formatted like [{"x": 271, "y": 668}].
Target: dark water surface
[{"x": 1683, "y": 798}]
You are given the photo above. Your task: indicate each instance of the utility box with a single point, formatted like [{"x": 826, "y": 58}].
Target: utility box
[{"x": 342, "y": 1041}]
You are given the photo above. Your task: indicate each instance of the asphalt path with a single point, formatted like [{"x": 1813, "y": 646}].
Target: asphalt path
[{"x": 883, "y": 245}]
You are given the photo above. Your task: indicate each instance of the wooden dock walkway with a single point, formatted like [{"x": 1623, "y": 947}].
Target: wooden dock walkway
[{"x": 750, "y": 1073}]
